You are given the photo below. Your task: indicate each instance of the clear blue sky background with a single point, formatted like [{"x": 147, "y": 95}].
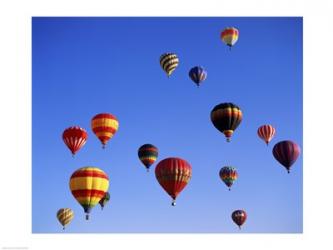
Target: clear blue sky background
[{"x": 85, "y": 66}]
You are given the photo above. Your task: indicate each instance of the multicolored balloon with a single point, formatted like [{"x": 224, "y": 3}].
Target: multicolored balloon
[
  {"x": 75, "y": 138},
  {"x": 230, "y": 36},
  {"x": 228, "y": 175},
  {"x": 104, "y": 200},
  {"x": 173, "y": 174},
  {"x": 104, "y": 126},
  {"x": 169, "y": 62},
  {"x": 88, "y": 186},
  {"x": 226, "y": 117},
  {"x": 266, "y": 133},
  {"x": 65, "y": 216},
  {"x": 148, "y": 154},
  {"x": 239, "y": 217},
  {"x": 286, "y": 152},
  {"x": 198, "y": 75}
]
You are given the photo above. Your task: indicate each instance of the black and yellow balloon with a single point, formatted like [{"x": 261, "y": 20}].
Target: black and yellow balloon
[
  {"x": 65, "y": 216},
  {"x": 226, "y": 117},
  {"x": 169, "y": 62}
]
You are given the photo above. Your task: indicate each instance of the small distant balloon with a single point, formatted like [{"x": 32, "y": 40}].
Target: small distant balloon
[
  {"x": 104, "y": 126},
  {"x": 228, "y": 175},
  {"x": 148, "y": 154},
  {"x": 266, "y": 133},
  {"x": 75, "y": 138},
  {"x": 230, "y": 36},
  {"x": 104, "y": 200},
  {"x": 65, "y": 216},
  {"x": 286, "y": 152},
  {"x": 198, "y": 75},
  {"x": 169, "y": 62},
  {"x": 239, "y": 217}
]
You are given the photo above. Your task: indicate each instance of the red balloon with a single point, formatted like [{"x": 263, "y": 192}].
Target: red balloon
[
  {"x": 173, "y": 174},
  {"x": 266, "y": 133},
  {"x": 239, "y": 217},
  {"x": 75, "y": 138}
]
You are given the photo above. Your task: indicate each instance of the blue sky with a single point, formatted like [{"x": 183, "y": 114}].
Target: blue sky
[{"x": 85, "y": 66}]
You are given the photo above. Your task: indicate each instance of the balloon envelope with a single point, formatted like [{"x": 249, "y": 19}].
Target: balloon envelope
[
  {"x": 148, "y": 154},
  {"x": 65, "y": 216},
  {"x": 266, "y": 133},
  {"x": 88, "y": 186},
  {"x": 286, "y": 152},
  {"x": 226, "y": 117},
  {"x": 75, "y": 138},
  {"x": 173, "y": 174},
  {"x": 228, "y": 175},
  {"x": 239, "y": 217},
  {"x": 230, "y": 36},
  {"x": 169, "y": 62},
  {"x": 198, "y": 75},
  {"x": 104, "y": 126}
]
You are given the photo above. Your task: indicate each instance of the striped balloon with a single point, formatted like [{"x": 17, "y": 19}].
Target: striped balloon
[
  {"x": 286, "y": 152},
  {"x": 173, "y": 174},
  {"x": 230, "y": 36},
  {"x": 65, "y": 216},
  {"x": 104, "y": 200},
  {"x": 88, "y": 186},
  {"x": 266, "y": 133},
  {"x": 148, "y": 154},
  {"x": 198, "y": 75},
  {"x": 228, "y": 175},
  {"x": 75, "y": 138},
  {"x": 169, "y": 62},
  {"x": 239, "y": 217},
  {"x": 104, "y": 126},
  {"x": 226, "y": 117}
]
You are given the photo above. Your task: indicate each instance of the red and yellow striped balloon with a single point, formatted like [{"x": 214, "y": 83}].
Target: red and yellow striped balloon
[
  {"x": 104, "y": 126},
  {"x": 266, "y": 133},
  {"x": 88, "y": 186},
  {"x": 230, "y": 36},
  {"x": 173, "y": 174},
  {"x": 65, "y": 216}
]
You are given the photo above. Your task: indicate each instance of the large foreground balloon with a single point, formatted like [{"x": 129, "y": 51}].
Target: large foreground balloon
[
  {"x": 239, "y": 217},
  {"x": 228, "y": 175},
  {"x": 148, "y": 154},
  {"x": 65, "y": 216},
  {"x": 104, "y": 200},
  {"x": 88, "y": 186},
  {"x": 226, "y": 117},
  {"x": 286, "y": 152},
  {"x": 169, "y": 62},
  {"x": 230, "y": 36},
  {"x": 266, "y": 133},
  {"x": 75, "y": 138},
  {"x": 104, "y": 126},
  {"x": 198, "y": 75},
  {"x": 173, "y": 174}
]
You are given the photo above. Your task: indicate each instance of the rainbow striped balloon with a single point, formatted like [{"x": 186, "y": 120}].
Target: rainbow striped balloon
[
  {"x": 148, "y": 154},
  {"x": 230, "y": 36},
  {"x": 65, "y": 216},
  {"x": 104, "y": 126},
  {"x": 228, "y": 175},
  {"x": 88, "y": 186}
]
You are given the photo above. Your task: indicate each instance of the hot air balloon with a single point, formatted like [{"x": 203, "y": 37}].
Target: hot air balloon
[
  {"x": 266, "y": 133},
  {"x": 226, "y": 117},
  {"x": 173, "y": 174},
  {"x": 65, "y": 216},
  {"x": 169, "y": 62},
  {"x": 104, "y": 126},
  {"x": 286, "y": 152},
  {"x": 88, "y": 186},
  {"x": 148, "y": 154},
  {"x": 239, "y": 217},
  {"x": 104, "y": 200},
  {"x": 198, "y": 75},
  {"x": 75, "y": 138},
  {"x": 228, "y": 175},
  {"x": 230, "y": 36}
]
